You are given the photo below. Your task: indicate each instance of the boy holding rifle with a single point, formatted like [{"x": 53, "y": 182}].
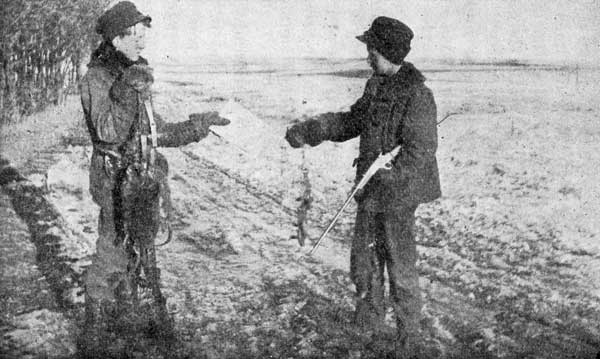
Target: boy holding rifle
[{"x": 396, "y": 109}]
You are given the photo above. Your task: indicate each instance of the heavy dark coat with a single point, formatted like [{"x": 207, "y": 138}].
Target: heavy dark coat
[
  {"x": 123, "y": 182},
  {"x": 110, "y": 121},
  {"x": 394, "y": 110}
]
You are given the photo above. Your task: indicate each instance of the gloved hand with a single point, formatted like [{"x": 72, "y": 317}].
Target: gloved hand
[
  {"x": 134, "y": 80},
  {"x": 294, "y": 136},
  {"x": 203, "y": 121},
  {"x": 385, "y": 176},
  {"x": 309, "y": 132},
  {"x": 360, "y": 195},
  {"x": 391, "y": 179}
]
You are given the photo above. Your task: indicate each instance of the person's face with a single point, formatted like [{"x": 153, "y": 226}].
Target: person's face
[
  {"x": 378, "y": 63},
  {"x": 132, "y": 45}
]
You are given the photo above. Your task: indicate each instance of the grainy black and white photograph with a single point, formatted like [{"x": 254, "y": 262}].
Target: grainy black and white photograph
[{"x": 356, "y": 179}]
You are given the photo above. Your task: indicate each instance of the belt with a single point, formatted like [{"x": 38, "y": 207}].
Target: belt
[{"x": 102, "y": 149}]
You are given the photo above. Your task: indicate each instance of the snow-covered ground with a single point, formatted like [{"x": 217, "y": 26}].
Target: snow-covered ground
[{"x": 509, "y": 256}]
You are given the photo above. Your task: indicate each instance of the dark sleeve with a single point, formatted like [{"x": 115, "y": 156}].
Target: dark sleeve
[
  {"x": 176, "y": 134},
  {"x": 418, "y": 134},
  {"x": 160, "y": 122},
  {"x": 343, "y": 126}
]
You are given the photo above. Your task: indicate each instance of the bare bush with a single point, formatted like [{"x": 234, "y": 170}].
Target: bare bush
[{"x": 43, "y": 43}]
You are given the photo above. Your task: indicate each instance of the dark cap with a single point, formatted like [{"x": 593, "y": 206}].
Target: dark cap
[
  {"x": 390, "y": 37},
  {"x": 119, "y": 17}
]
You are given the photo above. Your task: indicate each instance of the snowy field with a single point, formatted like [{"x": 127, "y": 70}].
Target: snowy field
[{"x": 509, "y": 256}]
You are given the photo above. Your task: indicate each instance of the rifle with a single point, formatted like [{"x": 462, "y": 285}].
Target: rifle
[{"x": 383, "y": 161}]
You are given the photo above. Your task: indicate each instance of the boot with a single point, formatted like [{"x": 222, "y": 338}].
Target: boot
[
  {"x": 92, "y": 342},
  {"x": 161, "y": 325},
  {"x": 129, "y": 319},
  {"x": 150, "y": 320},
  {"x": 412, "y": 347},
  {"x": 126, "y": 318},
  {"x": 367, "y": 317}
]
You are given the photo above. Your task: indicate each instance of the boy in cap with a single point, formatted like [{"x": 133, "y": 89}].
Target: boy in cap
[
  {"x": 128, "y": 177},
  {"x": 396, "y": 108}
]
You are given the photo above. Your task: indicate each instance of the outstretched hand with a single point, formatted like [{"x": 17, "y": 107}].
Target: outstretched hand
[
  {"x": 203, "y": 121},
  {"x": 308, "y": 132},
  {"x": 209, "y": 119},
  {"x": 294, "y": 136}
]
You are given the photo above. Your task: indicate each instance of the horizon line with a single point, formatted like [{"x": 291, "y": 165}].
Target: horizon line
[{"x": 507, "y": 62}]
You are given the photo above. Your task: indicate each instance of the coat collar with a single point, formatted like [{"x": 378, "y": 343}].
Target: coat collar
[
  {"x": 107, "y": 56},
  {"x": 390, "y": 87},
  {"x": 406, "y": 76}
]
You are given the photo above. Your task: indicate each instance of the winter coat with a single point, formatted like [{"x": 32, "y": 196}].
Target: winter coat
[
  {"x": 111, "y": 122},
  {"x": 394, "y": 110}
]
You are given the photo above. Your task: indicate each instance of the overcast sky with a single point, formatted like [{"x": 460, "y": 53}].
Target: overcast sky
[{"x": 534, "y": 30}]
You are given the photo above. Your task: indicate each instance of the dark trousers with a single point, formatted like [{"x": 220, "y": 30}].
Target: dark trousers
[
  {"x": 108, "y": 270},
  {"x": 386, "y": 240},
  {"x": 108, "y": 276}
]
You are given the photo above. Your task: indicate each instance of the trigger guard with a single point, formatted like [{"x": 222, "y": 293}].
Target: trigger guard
[{"x": 388, "y": 166}]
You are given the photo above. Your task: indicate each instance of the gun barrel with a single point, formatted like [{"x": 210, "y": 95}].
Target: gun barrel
[
  {"x": 333, "y": 221},
  {"x": 381, "y": 162}
]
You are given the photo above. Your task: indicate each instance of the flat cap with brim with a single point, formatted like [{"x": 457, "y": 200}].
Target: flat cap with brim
[
  {"x": 390, "y": 37},
  {"x": 119, "y": 17}
]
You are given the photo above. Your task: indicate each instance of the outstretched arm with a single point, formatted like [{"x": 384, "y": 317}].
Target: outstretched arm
[
  {"x": 332, "y": 126},
  {"x": 134, "y": 86},
  {"x": 193, "y": 130}
]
